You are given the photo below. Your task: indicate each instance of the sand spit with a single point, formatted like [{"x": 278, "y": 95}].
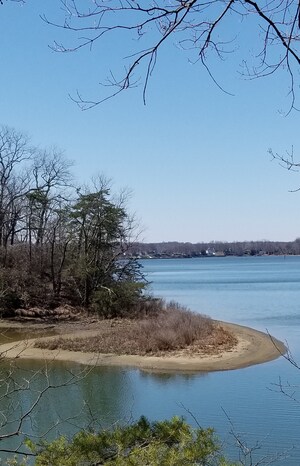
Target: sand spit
[{"x": 253, "y": 347}]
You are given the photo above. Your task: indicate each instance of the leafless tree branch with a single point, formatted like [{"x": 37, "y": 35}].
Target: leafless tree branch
[
  {"x": 199, "y": 26},
  {"x": 287, "y": 161}
]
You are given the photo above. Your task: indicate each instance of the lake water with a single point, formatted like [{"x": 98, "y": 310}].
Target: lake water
[{"x": 260, "y": 292}]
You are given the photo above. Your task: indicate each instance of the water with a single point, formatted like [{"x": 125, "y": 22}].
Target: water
[{"x": 261, "y": 292}]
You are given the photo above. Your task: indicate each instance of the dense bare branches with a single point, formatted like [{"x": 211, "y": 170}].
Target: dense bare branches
[
  {"x": 60, "y": 243},
  {"x": 15, "y": 151},
  {"x": 206, "y": 29}
]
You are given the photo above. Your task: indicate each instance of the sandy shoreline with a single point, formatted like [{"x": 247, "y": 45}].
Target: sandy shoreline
[{"x": 254, "y": 347}]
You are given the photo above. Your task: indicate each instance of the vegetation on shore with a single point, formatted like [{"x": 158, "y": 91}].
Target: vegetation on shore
[
  {"x": 64, "y": 255},
  {"x": 61, "y": 243},
  {"x": 64, "y": 248},
  {"x": 175, "y": 249},
  {"x": 170, "y": 329}
]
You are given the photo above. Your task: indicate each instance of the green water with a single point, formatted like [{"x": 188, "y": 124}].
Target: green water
[{"x": 260, "y": 292}]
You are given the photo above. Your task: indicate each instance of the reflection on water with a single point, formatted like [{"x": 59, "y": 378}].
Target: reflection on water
[
  {"x": 170, "y": 376},
  {"x": 8, "y": 335},
  {"x": 251, "y": 403},
  {"x": 73, "y": 397}
]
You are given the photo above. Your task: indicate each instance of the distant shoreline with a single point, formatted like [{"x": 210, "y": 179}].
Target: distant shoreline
[
  {"x": 185, "y": 250},
  {"x": 178, "y": 256},
  {"x": 253, "y": 347}
]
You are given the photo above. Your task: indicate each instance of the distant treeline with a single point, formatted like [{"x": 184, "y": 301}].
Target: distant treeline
[{"x": 215, "y": 248}]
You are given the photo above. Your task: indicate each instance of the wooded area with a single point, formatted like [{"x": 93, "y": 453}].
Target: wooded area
[{"x": 59, "y": 242}]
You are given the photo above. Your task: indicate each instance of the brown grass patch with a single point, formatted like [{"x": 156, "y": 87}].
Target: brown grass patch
[{"x": 173, "y": 330}]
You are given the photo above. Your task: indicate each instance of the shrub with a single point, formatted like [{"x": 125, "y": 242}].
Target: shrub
[
  {"x": 174, "y": 327},
  {"x": 170, "y": 443},
  {"x": 122, "y": 299}
]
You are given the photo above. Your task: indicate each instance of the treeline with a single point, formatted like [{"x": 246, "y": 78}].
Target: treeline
[
  {"x": 177, "y": 249},
  {"x": 60, "y": 242}
]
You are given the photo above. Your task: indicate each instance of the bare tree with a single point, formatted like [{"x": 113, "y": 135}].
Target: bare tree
[
  {"x": 15, "y": 150},
  {"x": 51, "y": 178},
  {"x": 207, "y": 30}
]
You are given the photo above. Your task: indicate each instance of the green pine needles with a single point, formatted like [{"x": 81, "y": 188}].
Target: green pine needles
[{"x": 163, "y": 443}]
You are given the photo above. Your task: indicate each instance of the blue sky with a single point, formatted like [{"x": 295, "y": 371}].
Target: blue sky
[{"x": 195, "y": 158}]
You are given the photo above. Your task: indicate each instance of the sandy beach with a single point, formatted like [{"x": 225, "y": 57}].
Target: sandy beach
[{"x": 253, "y": 347}]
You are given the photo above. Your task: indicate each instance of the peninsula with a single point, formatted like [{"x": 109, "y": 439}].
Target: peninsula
[{"x": 244, "y": 347}]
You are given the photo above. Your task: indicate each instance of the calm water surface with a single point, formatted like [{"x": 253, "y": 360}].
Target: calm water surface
[{"x": 261, "y": 292}]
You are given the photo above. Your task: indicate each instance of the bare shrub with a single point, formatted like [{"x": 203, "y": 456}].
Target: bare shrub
[
  {"x": 148, "y": 307},
  {"x": 174, "y": 328},
  {"x": 53, "y": 344}
]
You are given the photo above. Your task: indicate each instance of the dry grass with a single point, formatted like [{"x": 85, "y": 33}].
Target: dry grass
[{"x": 174, "y": 329}]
